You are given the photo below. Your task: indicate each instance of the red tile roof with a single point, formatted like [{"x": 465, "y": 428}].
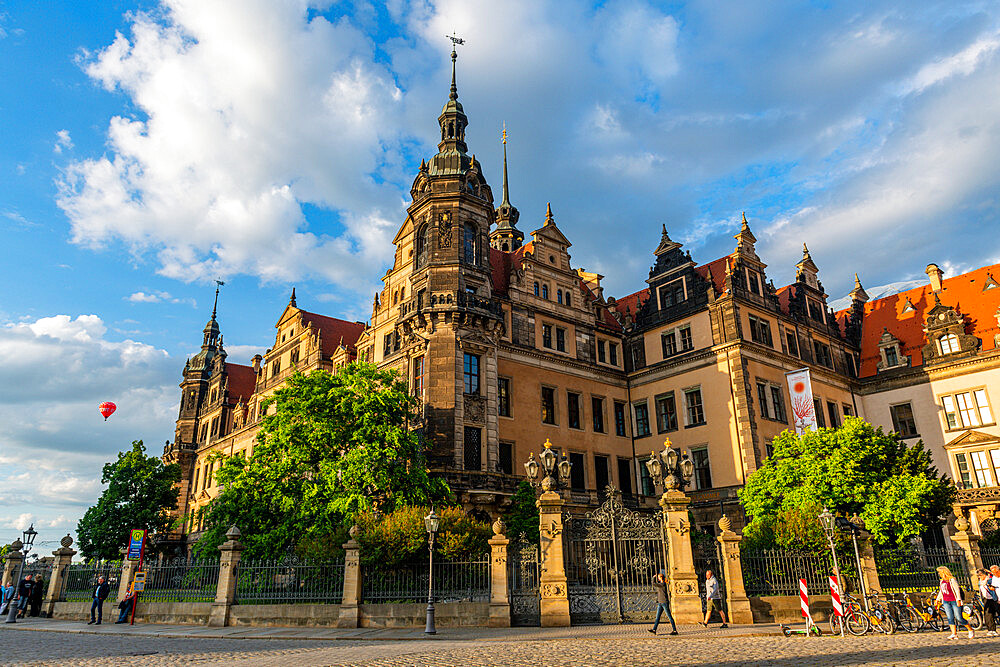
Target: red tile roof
[
  {"x": 502, "y": 263},
  {"x": 632, "y": 302},
  {"x": 718, "y": 268},
  {"x": 242, "y": 381},
  {"x": 332, "y": 330},
  {"x": 963, "y": 292}
]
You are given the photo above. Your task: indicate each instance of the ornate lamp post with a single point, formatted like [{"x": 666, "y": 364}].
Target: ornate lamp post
[
  {"x": 431, "y": 523},
  {"x": 848, "y": 526},
  {"x": 551, "y": 466},
  {"x": 828, "y": 521},
  {"x": 29, "y": 539},
  {"x": 670, "y": 470}
]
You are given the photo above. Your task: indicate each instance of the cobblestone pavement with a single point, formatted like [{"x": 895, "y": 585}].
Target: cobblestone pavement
[{"x": 598, "y": 647}]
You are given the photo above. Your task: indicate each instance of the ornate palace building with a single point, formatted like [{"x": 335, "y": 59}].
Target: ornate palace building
[{"x": 507, "y": 344}]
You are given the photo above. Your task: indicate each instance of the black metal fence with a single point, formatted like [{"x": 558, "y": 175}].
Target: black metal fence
[
  {"x": 911, "y": 571},
  {"x": 81, "y": 578},
  {"x": 288, "y": 581},
  {"x": 454, "y": 581},
  {"x": 990, "y": 557},
  {"x": 180, "y": 580},
  {"x": 777, "y": 572}
]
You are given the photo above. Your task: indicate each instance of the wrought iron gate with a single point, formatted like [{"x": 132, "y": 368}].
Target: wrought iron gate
[
  {"x": 523, "y": 573},
  {"x": 612, "y": 555},
  {"x": 707, "y": 556}
]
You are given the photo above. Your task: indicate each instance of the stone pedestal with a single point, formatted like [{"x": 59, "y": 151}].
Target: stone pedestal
[
  {"x": 13, "y": 564},
  {"x": 351, "y": 599},
  {"x": 685, "y": 603},
  {"x": 63, "y": 557},
  {"x": 129, "y": 568},
  {"x": 552, "y": 582},
  {"x": 499, "y": 597},
  {"x": 969, "y": 544},
  {"x": 732, "y": 573},
  {"x": 225, "y": 591}
]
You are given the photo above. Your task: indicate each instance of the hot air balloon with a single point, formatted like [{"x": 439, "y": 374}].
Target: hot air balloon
[{"x": 107, "y": 408}]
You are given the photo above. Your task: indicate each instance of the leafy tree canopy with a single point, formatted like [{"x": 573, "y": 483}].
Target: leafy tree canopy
[
  {"x": 522, "y": 517},
  {"x": 141, "y": 491},
  {"x": 330, "y": 446},
  {"x": 853, "y": 469}
]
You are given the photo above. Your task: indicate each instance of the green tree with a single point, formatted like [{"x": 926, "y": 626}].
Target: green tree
[
  {"x": 141, "y": 492},
  {"x": 330, "y": 446},
  {"x": 522, "y": 517},
  {"x": 853, "y": 469}
]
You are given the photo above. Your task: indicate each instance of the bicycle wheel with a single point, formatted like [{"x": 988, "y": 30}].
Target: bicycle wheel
[
  {"x": 909, "y": 620},
  {"x": 975, "y": 620},
  {"x": 857, "y": 624},
  {"x": 835, "y": 624}
]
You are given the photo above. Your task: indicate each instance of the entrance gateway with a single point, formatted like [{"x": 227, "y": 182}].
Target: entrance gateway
[{"x": 611, "y": 557}]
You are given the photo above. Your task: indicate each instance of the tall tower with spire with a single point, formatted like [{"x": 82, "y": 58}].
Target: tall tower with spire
[{"x": 506, "y": 237}]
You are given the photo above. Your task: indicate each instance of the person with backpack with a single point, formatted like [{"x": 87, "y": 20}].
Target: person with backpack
[
  {"x": 988, "y": 585},
  {"x": 950, "y": 597}
]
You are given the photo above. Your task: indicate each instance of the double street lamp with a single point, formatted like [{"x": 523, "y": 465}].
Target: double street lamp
[
  {"x": 671, "y": 469},
  {"x": 832, "y": 523},
  {"x": 431, "y": 522},
  {"x": 17, "y": 545},
  {"x": 550, "y": 465}
]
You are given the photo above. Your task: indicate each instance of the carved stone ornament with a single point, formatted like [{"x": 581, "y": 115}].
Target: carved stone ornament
[
  {"x": 66, "y": 542},
  {"x": 499, "y": 527},
  {"x": 961, "y": 523},
  {"x": 444, "y": 230},
  {"x": 725, "y": 524},
  {"x": 554, "y": 590},
  {"x": 475, "y": 409}
]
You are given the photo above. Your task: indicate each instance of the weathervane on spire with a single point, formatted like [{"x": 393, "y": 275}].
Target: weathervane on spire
[
  {"x": 218, "y": 283},
  {"x": 455, "y": 41}
]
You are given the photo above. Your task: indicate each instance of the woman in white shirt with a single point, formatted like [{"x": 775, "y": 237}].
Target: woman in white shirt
[
  {"x": 988, "y": 589},
  {"x": 950, "y": 597}
]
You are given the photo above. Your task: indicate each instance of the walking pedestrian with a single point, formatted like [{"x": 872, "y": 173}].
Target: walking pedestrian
[
  {"x": 23, "y": 595},
  {"x": 662, "y": 603},
  {"x": 713, "y": 599},
  {"x": 37, "y": 593},
  {"x": 988, "y": 585},
  {"x": 101, "y": 592},
  {"x": 6, "y": 598},
  {"x": 950, "y": 597}
]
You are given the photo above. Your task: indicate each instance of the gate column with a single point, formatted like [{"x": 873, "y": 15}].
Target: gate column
[
  {"x": 554, "y": 598},
  {"x": 499, "y": 600},
  {"x": 685, "y": 604},
  {"x": 732, "y": 572}
]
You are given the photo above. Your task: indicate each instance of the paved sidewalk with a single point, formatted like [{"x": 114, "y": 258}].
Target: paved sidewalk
[{"x": 639, "y": 630}]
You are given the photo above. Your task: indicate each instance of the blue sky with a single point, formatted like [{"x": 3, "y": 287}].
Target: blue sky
[{"x": 151, "y": 147}]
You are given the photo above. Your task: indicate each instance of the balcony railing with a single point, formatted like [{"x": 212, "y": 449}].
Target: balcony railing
[
  {"x": 984, "y": 494},
  {"x": 448, "y": 300}
]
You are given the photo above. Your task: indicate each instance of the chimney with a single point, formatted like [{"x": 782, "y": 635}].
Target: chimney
[
  {"x": 936, "y": 275},
  {"x": 256, "y": 363}
]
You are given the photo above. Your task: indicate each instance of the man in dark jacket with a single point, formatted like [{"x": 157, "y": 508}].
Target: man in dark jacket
[
  {"x": 24, "y": 595},
  {"x": 660, "y": 584},
  {"x": 101, "y": 592},
  {"x": 37, "y": 595}
]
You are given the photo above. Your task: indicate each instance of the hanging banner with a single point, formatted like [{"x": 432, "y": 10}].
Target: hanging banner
[{"x": 803, "y": 408}]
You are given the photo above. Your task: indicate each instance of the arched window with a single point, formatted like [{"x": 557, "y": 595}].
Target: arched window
[
  {"x": 395, "y": 298},
  {"x": 567, "y": 299},
  {"x": 469, "y": 243},
  {"x": 559, "y": 295},
  {"x": 421, "y": 246},
  {"x": 949, "y": 343},
  {"x": 536, "y": 288},
  {"x": 545, "y": 291}
]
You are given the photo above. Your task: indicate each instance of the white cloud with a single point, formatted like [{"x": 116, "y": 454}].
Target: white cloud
[
  {"x": 157, "y": 296},
  {"x": 63, "y": 141}
]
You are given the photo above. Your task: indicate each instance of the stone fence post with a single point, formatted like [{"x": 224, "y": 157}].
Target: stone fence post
[
  {"x": 732, "y": 573},
  {"x": 499, "y": 598},
  {"x": 685, "y": 602},
  {"x": 350, "y": 601},
  {"x": 14, "y": 558},
  {"x": 554, "y": 605},
  {"x": 64, "y": 556},
  {"x": 969, "y": 543},
  {"x": 129, "y": 568},
  {"x": 225, "y": 591},
  {"x": 869, "y": 570}
]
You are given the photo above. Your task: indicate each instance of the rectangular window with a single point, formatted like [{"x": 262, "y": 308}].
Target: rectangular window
[
  {"x": 577, "y": 476},
  {"x": 753, "y": 282},
  {"x": 597, "y": 408},
  {"x": 760, "y": 331},
  {"x": 295, "y": 356},
  {"x": 560, "y": 339},
  {"x": 702, "y": 470},
  {"x": 985, "y": 416},
  {"x": 276, "y": 368},
  {"x": 818, "y": 407},
  {"x": 765, "y": 412},
  {"x": 471, "y": 373},
  {"x": 995, "y": 455},
  {"x": 815, "y": 310},
  {"x": 194, "y": 482},
  {"x": 646, "y": 481},
  {"x": 951, "y": 415},
  {"x": 619, "y": 419},
  {"x": 503, "y": 397},
  {"x": 671, "y": 294},
  {"x": 981, "y": 464},
  {"x": 573, "y": 409},
  {"x": 695, "y": 411},
  {"x": 473, "y": 448},
  {"x": 547, "y": 336},
  {"x": 625, "y": 476},
  {"x": 600, "y": 351},
  {"x": 848, "y": 410},
  {"x": 967, "y": 409},
  {"x": 387, "y": 345},
  {"x": 613, "y": 354},
  {"x": 793, "y": 347},
  {"x": 506, "y": 462},
  {"x": 778, "y": 403},
  {"x": 822, "y": 351},
  {"x": 666, "y": 413},
  {"x": 902, "y": 420},
  {"x": 891, "y": 356},
  {"x": 963, "y": 471},
  {"x": 601, "y": 472},
  {"x": 641, "y": 419},
  {"x": 418, "y": 377},
  {"x": 548, "y": 405},
  {"x": 687, "y": 343},
  {"x": 668, "y": 342},
  {"x": 831, "y": 409}
]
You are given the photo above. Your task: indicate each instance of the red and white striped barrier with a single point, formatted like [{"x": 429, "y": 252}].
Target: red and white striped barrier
[
  {"x": 804, "y": 600},
  {"x": 838, "y": 608}
]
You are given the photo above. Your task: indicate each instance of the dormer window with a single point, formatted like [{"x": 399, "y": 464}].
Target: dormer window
[
  {"x": 815, "y": 310},
  {"x": 891, "y": 355},
  {"x": 671, "y": 294},
  {"x": 753, "y": 281},
  {"x": 948, "y": 344}
]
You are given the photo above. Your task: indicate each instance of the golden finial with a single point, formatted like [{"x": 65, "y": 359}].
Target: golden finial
[
  {"x": 504, "y": 135},
  {"x": 548, "y": 445},
  {"x": 744, "y": 217},
  {"x": 667, "y": 444}
]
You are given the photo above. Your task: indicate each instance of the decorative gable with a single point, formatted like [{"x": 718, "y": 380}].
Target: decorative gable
[
  {"x": 971, "y": 437},
  {"x": 944, "y": 333},
  {"x": 891, "y": 352}
]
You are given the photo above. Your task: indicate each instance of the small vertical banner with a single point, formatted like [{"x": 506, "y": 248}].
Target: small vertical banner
[
  {"x": 838, "y": 609},
  {"x": 804, "y": 598},
  {"x": 803, "y": 408}
]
